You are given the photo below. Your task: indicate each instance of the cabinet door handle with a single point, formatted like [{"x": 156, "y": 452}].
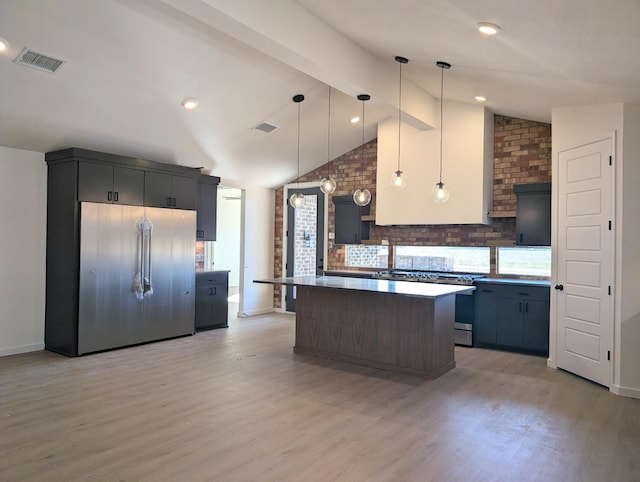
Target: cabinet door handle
[
  {"x": 169, "y": 201},
  {"x": 521, "y": 237},
  {"x": 174, "y": 202},
  {"x": 526, "y": 307},
  {"x": 520, "y": 306},
  {"x": 115, "y": 196},
  {"x": 109, "y": 195},
  {"x": 487, "y": 291},
  {"x": 524, "y": 294}
]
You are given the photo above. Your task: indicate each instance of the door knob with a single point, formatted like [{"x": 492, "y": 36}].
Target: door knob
[{"x": 559, "y": 287}]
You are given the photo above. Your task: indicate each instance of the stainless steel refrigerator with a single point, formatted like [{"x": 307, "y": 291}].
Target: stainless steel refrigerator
[{"x": 137, "y": 275}]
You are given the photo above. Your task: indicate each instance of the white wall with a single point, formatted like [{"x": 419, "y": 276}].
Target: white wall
[
  {"x": 575, "y": 126},
  {"x": 467, "y": 159},
  {"x": 257, "y": 250},
  {"x": 226, "y": 252},
  {"x": 629, "y": 248},
  {"x": 23, "y": 217}
]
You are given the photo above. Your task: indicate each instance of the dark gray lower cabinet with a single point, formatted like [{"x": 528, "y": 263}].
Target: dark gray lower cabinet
[
  {"x": 512, "y": 316},
  {"x": 212, "y": 291},
  {"x": 485, "y": 320}
]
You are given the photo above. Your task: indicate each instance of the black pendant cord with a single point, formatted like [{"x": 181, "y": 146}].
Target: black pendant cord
[
  {"x": 399, "y": 112},
  {"x": 298, "y": 178},
  {"x": 362, "y": 146},
  {"x": 400, "y": 60},
  {"x": 329, "y": 134},
  {"x": 441, "y": 98}
]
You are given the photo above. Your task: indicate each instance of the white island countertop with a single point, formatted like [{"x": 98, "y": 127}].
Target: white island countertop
[{"x": 406, "y": 288}]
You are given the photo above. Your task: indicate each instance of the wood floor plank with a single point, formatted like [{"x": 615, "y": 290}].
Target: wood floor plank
[{"x": 238, "y": 405}]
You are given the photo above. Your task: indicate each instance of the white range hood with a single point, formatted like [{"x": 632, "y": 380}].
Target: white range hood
[{"x": 468, "y": 149}]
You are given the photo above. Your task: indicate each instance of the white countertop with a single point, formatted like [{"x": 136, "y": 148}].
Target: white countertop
[{"x": 407, "y": 288}]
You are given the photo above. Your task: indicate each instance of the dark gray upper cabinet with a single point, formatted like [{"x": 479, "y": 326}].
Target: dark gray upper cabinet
[
  {"x": 105, "y": 183},
  {"x": 169, "y": 191},
  {"x": 349, "y": 226},
  {"x": 533, "y": 214},
  {"x": 207, "y": 208}
]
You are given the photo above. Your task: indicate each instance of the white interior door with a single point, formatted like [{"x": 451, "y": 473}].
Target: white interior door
[{"x": 585, "y": 259}]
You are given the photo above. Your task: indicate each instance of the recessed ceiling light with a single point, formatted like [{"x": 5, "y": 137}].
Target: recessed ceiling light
[
  {"x": 189, "y": 104},
  {"x": 355, "y": 120},
  {"x": 480, "y": 98},
  {"x": 488, "y": 28},
  {"x": 4, "y": 45}
]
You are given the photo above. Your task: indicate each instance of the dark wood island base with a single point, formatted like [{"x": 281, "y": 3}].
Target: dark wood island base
[
  {"x": 393, "y": 325},
  {"x": 381, "y": 330}
]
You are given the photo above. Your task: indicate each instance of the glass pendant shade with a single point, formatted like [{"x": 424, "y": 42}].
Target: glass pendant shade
[
  {"x": 328, "y": 185},
  {"x": 362, "y": 196},
  {"x": 440, "y": 193},
  {"x": 296, "y": 200},
  {"x": 398, "y": 180}
]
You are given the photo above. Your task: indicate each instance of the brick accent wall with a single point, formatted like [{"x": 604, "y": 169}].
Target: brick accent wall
[{"x": 522, "y": 154}]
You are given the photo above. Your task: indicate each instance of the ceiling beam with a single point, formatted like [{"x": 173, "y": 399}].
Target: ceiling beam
[{"x": 287, "y": 32}]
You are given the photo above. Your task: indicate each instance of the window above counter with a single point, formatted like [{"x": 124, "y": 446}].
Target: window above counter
[
  {"x": 524, "y": 261},
  {"x": 505, "y": 261}
]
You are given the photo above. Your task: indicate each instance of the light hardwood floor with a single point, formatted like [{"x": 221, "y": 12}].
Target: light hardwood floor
[{"x": 238, "y": 405}]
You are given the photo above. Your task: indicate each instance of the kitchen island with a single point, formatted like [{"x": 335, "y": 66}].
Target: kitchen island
[{"x": 394, "y": 325}]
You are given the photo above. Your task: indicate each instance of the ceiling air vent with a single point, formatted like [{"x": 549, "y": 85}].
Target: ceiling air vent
[
  {"x": 265, "y": 127},
  {"x": 39, "y": 61}
]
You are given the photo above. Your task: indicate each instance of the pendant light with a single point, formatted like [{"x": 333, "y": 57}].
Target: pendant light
[
  {"x": 440, "y": 192},
  {"x": 297, "y": 198},
  {"x": 327, "y": 183},
  {"x": 398, "y": 179},
  {"x": 362, "y": 196}
]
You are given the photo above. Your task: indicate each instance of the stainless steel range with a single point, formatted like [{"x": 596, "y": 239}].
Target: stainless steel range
[{"x": 464, "y": 303}]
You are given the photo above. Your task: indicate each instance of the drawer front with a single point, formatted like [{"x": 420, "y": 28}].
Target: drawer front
[
  {"x": 536, "y": 293},
  {"x": 206, "y": 279}
]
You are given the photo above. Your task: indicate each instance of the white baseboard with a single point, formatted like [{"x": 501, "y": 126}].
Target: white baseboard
[
  {"x": 551, "y": 363},
  {"x": 625, "y": 391},
  {"x": 16, "y": 350},
  {"x": 261, "y": 311}
]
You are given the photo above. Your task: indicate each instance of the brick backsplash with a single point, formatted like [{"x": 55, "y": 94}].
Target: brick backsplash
[{"x": 522, "y": 154}]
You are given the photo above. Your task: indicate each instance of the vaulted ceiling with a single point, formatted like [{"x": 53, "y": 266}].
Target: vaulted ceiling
[{"x": 129, "y": 64}]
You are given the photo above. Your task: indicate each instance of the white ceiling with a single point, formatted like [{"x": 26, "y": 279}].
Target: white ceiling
[{"x": 130, "y": 63}]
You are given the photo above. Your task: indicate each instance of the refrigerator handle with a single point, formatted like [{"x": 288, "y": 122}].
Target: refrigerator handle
[
  {"x": 150, "y": 259},
  {"x": 138, "y": 279},
  {"x": 148, "y": 285}
]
